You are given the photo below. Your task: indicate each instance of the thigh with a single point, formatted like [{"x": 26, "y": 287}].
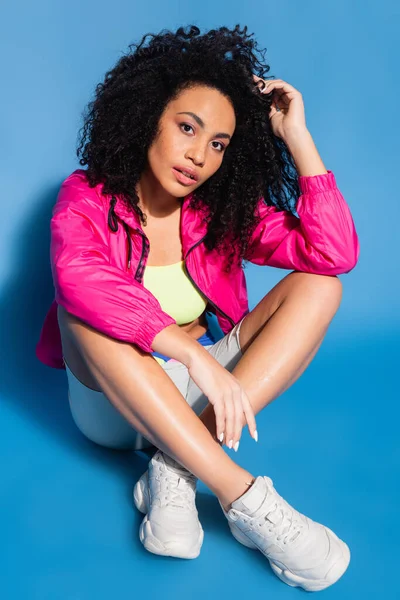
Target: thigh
[
  {"x": 94, "y": 414},
  {"x": 325, "y": 287},
  {"x": 101, "y": 422},
  {"x": 98, "y": 420}
]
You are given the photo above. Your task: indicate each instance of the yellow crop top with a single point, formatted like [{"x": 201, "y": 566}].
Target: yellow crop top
[{"x": 175, "y": 292}]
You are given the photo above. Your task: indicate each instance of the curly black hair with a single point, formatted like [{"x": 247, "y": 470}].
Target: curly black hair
[{"x": 122, "y": 121}]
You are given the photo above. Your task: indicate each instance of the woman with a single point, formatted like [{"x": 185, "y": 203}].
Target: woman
[{"x": 192, "y": 163}]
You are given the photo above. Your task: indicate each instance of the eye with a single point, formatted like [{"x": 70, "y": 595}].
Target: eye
[
  {"x": 222, "y": 146},
  {"x": 187, "y": 125}
]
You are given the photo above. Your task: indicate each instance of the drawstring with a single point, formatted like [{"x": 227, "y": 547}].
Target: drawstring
[{"x": 113, "y": 225}]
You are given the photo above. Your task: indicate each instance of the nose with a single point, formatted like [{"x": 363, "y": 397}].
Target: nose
[{"x": 197, "y": 154}]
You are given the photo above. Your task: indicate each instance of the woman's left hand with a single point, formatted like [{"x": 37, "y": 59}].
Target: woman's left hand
[{"x": 290, "y": 118}]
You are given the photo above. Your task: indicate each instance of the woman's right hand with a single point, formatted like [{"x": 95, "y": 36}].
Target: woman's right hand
[{"x": 225, "y": 393}]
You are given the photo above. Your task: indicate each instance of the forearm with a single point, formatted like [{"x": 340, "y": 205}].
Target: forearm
[
  {"x": 305, "y": 154},
  {"x": 174, "y": 342}
]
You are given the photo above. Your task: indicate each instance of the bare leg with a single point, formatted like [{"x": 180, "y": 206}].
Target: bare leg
[
  {"x": 281, "y": 336},
  {"x": 144, "y": 394}
]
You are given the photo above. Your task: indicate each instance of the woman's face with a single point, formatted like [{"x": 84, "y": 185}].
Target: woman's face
[{"x": 196, "y": 141}]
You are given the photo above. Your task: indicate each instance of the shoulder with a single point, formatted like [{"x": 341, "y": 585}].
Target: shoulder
[
  {"x": 75, "y": 189},
  {"x": 78, "y": 180},
  {"x": 77, "y": 202}
]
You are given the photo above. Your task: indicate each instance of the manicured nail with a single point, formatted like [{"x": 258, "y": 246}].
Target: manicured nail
[
  {"x": 255, "y": 436},
  {"x": 230, "y": 444},
  {"x": 221, "y": 437},
  {"x": 236, "y": 446}
]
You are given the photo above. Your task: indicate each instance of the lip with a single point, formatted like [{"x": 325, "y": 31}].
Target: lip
[
  {"x": 188, "y": 170},
  {"x": 182, "y": 179}
]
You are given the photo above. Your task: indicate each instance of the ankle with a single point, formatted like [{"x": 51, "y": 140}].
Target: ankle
[{"x": 240, "y": 488}]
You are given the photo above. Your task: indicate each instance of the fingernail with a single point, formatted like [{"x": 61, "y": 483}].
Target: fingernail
[
  {"x": 221, "y": 437},
  {"x": 255, "y": 436},
  {"x": 230, "y": 444},
  {"x": 236, "y": 446}
]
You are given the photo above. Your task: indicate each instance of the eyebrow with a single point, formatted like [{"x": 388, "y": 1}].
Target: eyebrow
[{"x": 201, "y": 123}]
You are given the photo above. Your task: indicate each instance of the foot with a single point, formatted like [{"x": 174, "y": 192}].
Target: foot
[
  {"x": 166, "y": 494},
  {"x": 301, "y": 552}
]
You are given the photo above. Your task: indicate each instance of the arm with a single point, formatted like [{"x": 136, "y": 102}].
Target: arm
[
  {"x": 176, "y": 343},
  {"x": 322, "y": 240},
  {"x": 86, "y": 284}
]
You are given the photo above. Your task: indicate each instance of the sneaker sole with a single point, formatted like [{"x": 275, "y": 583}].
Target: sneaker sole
[
  {"x": 314, "y": 585},
  {"x": 150, "y": 541}
]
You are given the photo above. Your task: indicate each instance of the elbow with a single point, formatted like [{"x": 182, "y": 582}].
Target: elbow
[
  {"x": 347, "y": 261},
  {"x": 353, "y": 254},
  {"x": 347, "y": 268}
]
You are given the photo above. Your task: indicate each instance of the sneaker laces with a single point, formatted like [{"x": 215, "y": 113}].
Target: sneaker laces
[
  {"x": 179, "y": 494},
  {"x": 282, "y": 522}
]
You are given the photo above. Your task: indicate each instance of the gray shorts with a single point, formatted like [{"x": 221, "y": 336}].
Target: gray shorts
[{"x": 98, "y": 419}]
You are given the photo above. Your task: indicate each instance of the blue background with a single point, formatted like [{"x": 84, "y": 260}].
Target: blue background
[{"x": 69, "y": 530}]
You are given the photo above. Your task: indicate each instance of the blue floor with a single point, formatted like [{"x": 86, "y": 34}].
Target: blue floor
[{"x": 69, "y": 529}]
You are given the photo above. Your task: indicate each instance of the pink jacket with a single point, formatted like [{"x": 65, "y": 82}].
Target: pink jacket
[{"x": 99, "y": 250}]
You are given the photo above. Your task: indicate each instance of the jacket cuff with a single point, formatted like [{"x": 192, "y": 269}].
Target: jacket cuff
[
  {"x": 317, "y": 183},
  {"x": 148, "y": 329}
]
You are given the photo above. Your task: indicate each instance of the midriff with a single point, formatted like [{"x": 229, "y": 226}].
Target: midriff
[{"x": 197, "y": 328}]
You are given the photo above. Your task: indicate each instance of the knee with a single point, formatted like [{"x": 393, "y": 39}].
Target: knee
[
  {"x": 326, "y": 289},
  {"x": 329, "y": 291}
]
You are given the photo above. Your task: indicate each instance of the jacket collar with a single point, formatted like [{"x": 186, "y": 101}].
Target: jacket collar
[{"x": 192, "y": 226}]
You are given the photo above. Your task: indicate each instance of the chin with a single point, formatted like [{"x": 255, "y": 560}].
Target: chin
[{"x": 180, "y": 190}]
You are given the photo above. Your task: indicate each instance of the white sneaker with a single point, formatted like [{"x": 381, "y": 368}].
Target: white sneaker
[
  {"x": 301, "y": 552},
  {"x": 166, "y": 494}
]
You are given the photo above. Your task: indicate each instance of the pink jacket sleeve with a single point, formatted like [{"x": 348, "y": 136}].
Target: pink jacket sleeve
[
  {"x": 322, "y": 240},
  {"x": 86, "y": 284}
]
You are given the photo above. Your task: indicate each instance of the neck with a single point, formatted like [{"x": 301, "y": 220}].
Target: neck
[{"x": 154, "y": 200}]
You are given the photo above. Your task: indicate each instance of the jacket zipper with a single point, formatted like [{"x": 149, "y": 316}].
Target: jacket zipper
[
  {"x": 138, "y": 276},
  {"x": 195, "y": 284}
]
